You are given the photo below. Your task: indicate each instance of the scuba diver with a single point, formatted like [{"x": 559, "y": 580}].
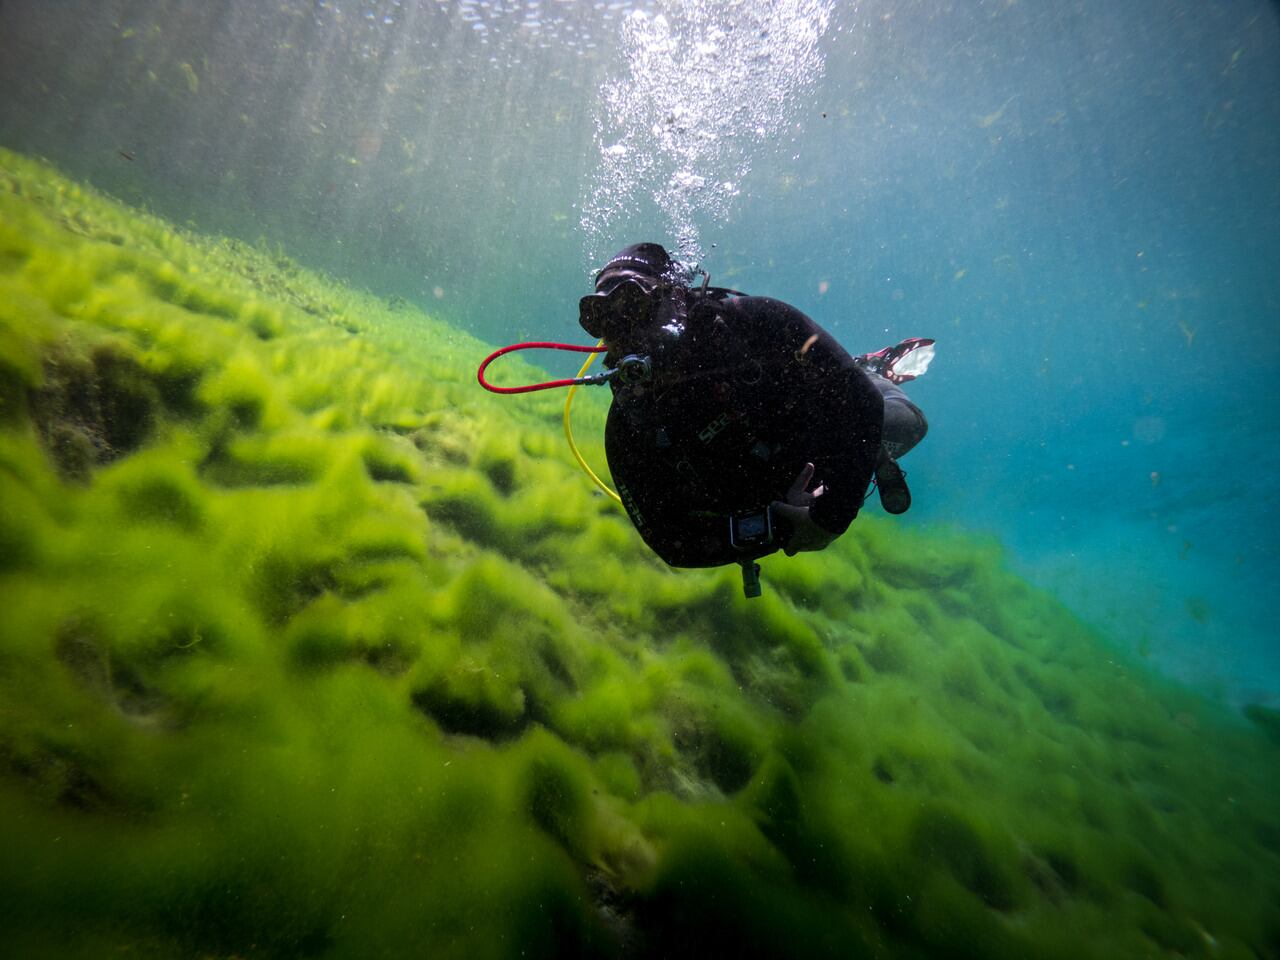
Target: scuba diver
[{"x": 738, "y": 425}]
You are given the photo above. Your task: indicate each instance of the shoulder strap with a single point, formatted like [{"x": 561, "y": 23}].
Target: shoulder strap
[{"x": 721, "y": 293}]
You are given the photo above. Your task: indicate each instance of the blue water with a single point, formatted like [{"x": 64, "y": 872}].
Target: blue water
[{"x": 1079, "y": 201}]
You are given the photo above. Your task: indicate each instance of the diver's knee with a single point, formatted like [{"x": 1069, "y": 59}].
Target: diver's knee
[{"x": 904, "y": 427}]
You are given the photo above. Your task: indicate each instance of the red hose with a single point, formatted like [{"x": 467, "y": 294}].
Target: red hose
[{"x": 539, "y": 345}]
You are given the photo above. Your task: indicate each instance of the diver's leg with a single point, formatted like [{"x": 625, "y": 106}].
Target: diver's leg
[
  {"x": 904, "y": 427},
  {"x": 904, "y": 422}
]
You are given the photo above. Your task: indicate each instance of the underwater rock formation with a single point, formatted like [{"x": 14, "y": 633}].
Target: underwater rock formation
[{"x": 309, "y": 647}]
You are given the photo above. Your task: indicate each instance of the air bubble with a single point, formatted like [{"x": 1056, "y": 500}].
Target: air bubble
[{"x": 695, "y": 101}]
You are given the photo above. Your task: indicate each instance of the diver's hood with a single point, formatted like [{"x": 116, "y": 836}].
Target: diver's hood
[
  {"x": 625, "y": 294},
  {"x": 640, "y": 261}
]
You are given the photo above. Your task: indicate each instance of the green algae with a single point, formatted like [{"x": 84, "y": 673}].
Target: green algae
[
  {"x": 1267, "y": 719},
  {"x": 310, "y": 647}
]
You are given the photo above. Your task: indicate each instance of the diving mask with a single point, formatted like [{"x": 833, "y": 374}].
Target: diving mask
[{"x": 625, "y": 297}]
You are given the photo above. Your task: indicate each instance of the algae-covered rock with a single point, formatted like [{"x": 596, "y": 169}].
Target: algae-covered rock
[{"x": 308, "y": 647}]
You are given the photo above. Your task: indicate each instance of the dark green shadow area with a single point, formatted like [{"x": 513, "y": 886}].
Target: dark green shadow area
[{"x": 310, "y": 648}]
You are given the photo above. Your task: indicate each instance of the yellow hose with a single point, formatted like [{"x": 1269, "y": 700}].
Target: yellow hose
[{"x": 568, "y": 431}]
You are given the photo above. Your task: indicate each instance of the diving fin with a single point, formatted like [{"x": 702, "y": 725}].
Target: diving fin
[{"x": 898, "y": 364}]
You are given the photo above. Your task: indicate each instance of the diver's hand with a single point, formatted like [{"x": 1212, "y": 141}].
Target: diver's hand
[{"x": 805, "y": 534}]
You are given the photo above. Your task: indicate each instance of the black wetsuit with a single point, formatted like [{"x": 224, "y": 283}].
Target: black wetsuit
[{"x": 741, "y": 395}]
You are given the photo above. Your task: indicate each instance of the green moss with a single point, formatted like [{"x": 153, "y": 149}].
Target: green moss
[
  {"x": 187, "y": 290},
  {"x": 19, "y": 371},
  {"x": 497, "y": 459},
  {"x": 466, "y": 502},
  {"x": 947, "y": 926},
  {"x": 472, "y": 697},
  {"x": 380, "y": 624},
  {"x": 798, "y": 826},
  {"x": 618, "y": 773},
  {"x": 889, "y": 647},
  {"x": 245, "y": 390},
  {"x": 554, "y": 788},
  {"x": 159, "y": 488},
  {"x": 285, "y": 583},
  {"x": 1266, "y": 719},
  {"x": 264, "y": 319},
  {"x": 604, "y": 716},
  {"x": 27, "y": 492},
  {"x": 973, "y": 853},
  {"x": 723, "y": 742},
  {"x": 284, "y": 459},
  {"x": 701, "y": 903}
]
